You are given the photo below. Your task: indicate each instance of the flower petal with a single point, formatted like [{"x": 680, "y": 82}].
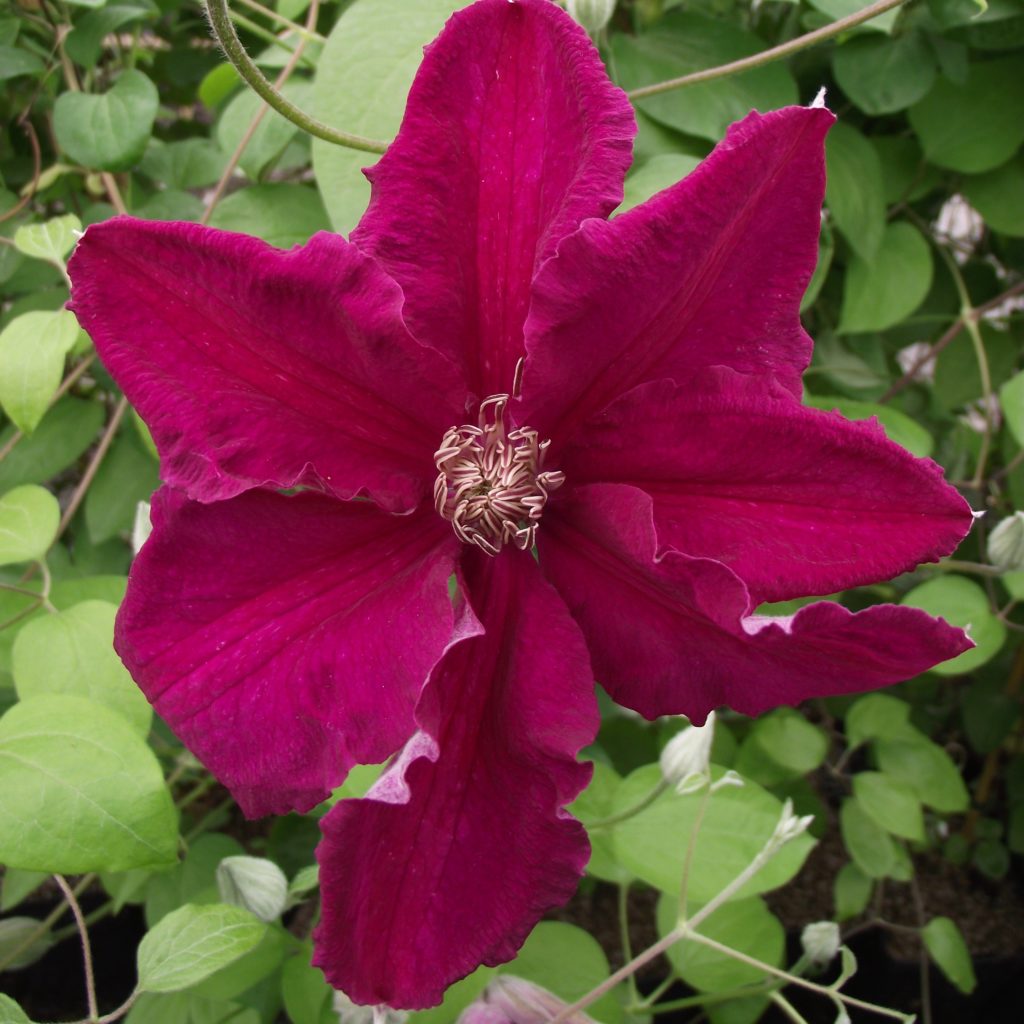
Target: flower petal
[
  {"x": 254, "y": 366},
  {"x": 709, "y": 272},
  {"x": 513, "y": 134},
  {"x": 457, "y": 851},
  {"x": 688, "y": 644},
  {"x": 793, "y": 500},
  {"x": 285, "y": 639}
]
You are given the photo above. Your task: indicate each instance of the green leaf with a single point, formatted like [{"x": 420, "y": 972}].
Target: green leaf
[
  {"x": 898, "y": 426},
  {"x": 851, "y": 891},
  {"x": 11, "y": 1012},
  {"x": 128, "y": 475},
  {"x": 837, "y": 9},
  {"x": 305, "y": 881},
  {"x": 905, "y": 173},
  {"x": 737, "y": 823},
  {"x": 947, "y": 948},
  {"x": 14, "y": 931},
  {"x": 108, "y": 132},
  {"x": 255, "y": 966},
  {"x": 192, "y": 943},
  {"x": 17, "y": 884},
  {"x": 84, "y": 43},
  {"x": 62, "y": 435},
  {"x": 567, "y": 961},
  {"x": 33, "y": 348},
  {"x": 975, "y": 126},
  {"x": 991, "y": 858},
  {"x": 963, "y": 603},
  {"x": 957, "y": 377},
  {"x": 891, "y": 803},
  {"x": 307, "y": 996},
  {"x": 882, "y": 75},
  {"x": 79, "y": 791},
  {"x": 927, "y": 769},
  {"x": 72, "y": 652},
  {"x": 15, "y": 62},
  {"x": 362, "y": 80},
  {"x": 682, "y": 42},
  {"x": 283, "y": 215},
  {"x": 194, "y": 880},
  {"x": 594, "y": 804},
  {"x": 255, "y": 884},
  {"x": 989, "y": 713},
  {"x": 999, "y": 197},
  {"x": 660, "y": 172},
  {"x": 190, "y": 163},
  {"x": 51, "y": 241},
  {"x": 29, "y": 518},
  {"x": 882, "y": 290},
  {"x": 271, "y": 137},
  {"x": 746, "y": 926},
  {"x": 1011, "y": 397},
  {"x": 871, "y": 847},
  {"x": 782, "y": 745},
  {"x": 854, "y": 189}
]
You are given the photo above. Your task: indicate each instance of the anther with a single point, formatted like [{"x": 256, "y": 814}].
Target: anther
[{"x": 491, "y": 484}]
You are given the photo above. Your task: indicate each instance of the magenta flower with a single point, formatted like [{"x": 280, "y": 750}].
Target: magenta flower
[{"x": 655, "y": 451}]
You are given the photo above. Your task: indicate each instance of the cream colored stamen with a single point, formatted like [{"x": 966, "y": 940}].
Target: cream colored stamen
[{"x": 491, "y": 485}]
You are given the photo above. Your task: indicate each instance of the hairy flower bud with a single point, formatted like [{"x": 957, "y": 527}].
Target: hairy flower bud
[
  {"x": 509, "y": 1000},
  {"x": 593, "y": 15},
  {"x": 820, "y": 942},
  {"x": 686, "y": 759},
  {"x": 1006, "y": 544}
]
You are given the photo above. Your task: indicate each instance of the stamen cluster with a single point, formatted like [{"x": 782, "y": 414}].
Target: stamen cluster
[{"x": 491, "y": 484}]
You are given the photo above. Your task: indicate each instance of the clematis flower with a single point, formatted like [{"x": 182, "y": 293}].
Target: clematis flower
[{"x": 490, "y": 366}]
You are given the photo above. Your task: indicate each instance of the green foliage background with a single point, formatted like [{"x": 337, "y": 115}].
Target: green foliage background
[{"x": 916, "y": 310}]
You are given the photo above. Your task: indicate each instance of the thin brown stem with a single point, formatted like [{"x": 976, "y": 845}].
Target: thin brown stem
[
  {"x": 83, "y": 934},
  {"x": 94, "y": 464},
  {"x": 246, "y": 138}
]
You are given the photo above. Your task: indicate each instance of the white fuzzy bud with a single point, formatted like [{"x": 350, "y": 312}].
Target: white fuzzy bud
[
  {"x": 254, "y": 883},
  {"x": 790, "y": 825},
  {"x": 1006, "y": 544},
  {"x": 593, "y": 15},
  {"x": 686, "y": 759},
  {"x": 820, "y": 942},
  {"x": 142, "y": 527}
]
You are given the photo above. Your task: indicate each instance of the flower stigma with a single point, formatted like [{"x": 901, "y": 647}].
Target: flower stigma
[{"x": 491, "y": 483}]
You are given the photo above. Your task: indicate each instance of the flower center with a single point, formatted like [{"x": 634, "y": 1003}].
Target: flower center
[{"x": 491, "y": 485}]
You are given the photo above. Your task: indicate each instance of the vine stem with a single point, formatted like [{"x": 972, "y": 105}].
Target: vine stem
[
  {"x": 794, "y": 979},
  {"x": 94, "y": 464},
  {"x": 83, "y": 934},
  {"x": 685, "y": 929},
  {"x": 227, "y": 37},
  {"x": 630, "y": 812},
  {"x": 46, "y": 924},
  {"x": 767, "y": 56},
  {"x": 243, "y": 142}
]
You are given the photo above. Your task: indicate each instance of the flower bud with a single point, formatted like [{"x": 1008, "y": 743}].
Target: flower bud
[
  {"x": 593, "y": 15},
  {"x": 142, "y": 527},
  {"x": 820, "y": 942},
  {"x": 254, "y": 883},
  {"x": 790, "y": 826},
  {"x": 1006, "y": 544},
  {"x": 509, "y": 1000},
  {"x": 351, "y": 1013},
  {"x": 686, "y": 759}
]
